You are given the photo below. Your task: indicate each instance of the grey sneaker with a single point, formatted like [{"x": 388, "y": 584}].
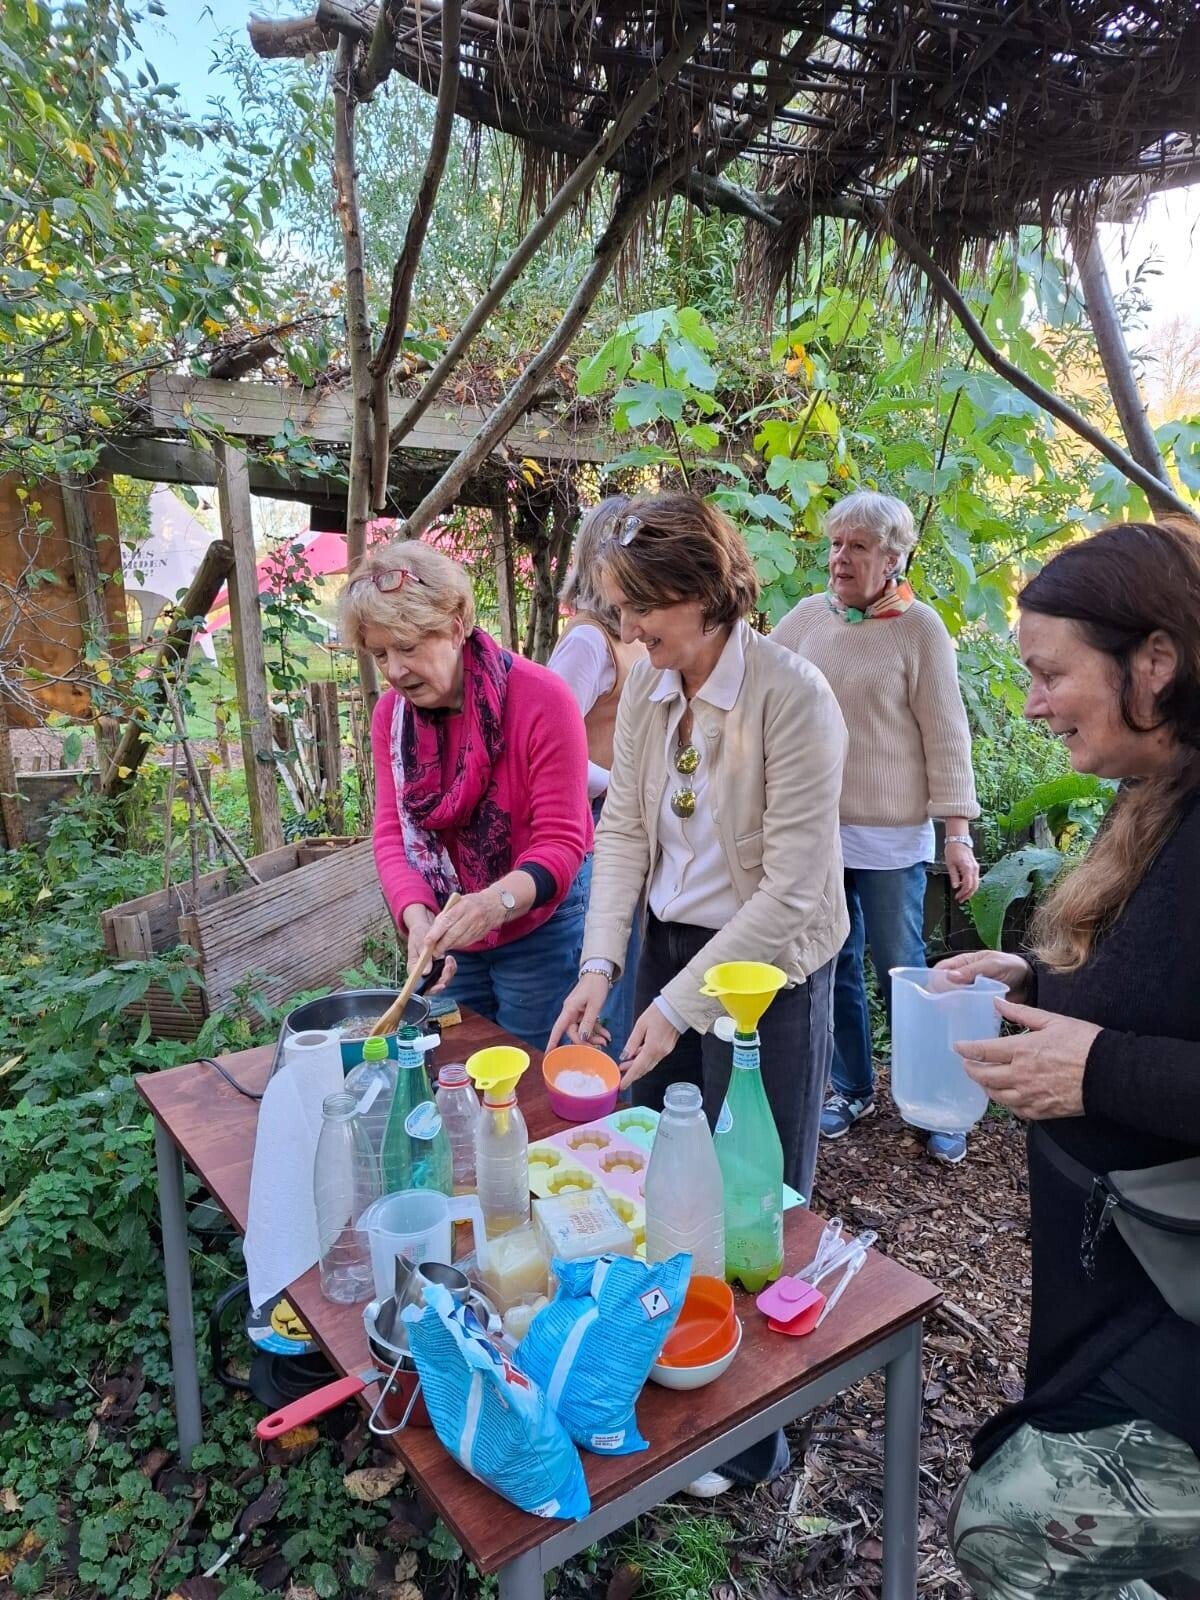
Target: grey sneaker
[
  {"x": 948, "y": 1148},
  {"x": 840, "y": 1112}
]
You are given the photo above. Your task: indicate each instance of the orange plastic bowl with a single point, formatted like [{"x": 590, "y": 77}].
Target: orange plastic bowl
[
  {"x": 706, "y": 1328},
  {"x": 580, "y": 1058}
]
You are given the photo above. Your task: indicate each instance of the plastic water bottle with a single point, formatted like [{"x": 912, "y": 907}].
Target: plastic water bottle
[
  {"x": 685, "y": 1193},
  {"x": 459, "y": 1107},
  {"x": 502, "y": 1165},
  {"x": 344, "y": 1185},
  {"x": 751, "y": 1160},
  {"x": 373, "y": 1081},
  {"x": 416, "y": 1151}
]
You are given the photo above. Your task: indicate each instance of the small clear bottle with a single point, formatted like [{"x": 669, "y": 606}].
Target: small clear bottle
[
  {"x": 502, "y": 1164},
  {"x": 373, "y": 1082},
  {"x": 459, "y": 1107},
  {"x": 343, "y": 1187},
  {"x": 685, "y": 1193}
]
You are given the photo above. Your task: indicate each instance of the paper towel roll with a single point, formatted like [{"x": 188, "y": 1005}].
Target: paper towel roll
[{"x": 281, "y": 1231}]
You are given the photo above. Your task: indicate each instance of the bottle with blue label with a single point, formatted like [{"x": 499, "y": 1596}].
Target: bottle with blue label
[{"x": 416, "y": 1151}]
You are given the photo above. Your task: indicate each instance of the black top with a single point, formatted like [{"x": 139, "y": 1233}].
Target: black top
[{"x": 1107, "y": 1347}]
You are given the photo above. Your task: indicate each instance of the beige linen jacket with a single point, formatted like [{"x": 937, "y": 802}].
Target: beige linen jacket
[{"x": 775, "y": 774}]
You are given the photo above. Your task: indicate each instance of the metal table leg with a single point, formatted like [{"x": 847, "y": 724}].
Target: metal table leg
[
  {"x": 901, "y": 1454},
  {"x": 522, "y": 1579},
  {"x": 179, "y": 1292}
]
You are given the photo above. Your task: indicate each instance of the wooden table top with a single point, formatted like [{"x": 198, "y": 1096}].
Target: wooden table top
[{"x": 214, "y": 1127}]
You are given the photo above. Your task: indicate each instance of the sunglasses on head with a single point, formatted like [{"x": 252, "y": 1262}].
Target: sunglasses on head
[{"x": 391, "y": 580}]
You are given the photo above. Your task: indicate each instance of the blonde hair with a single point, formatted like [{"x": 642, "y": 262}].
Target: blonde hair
[
  {"x": 680, "y": 548},
  {"x": 581, "y": 591},
  {"x": 411, "y": 613},
  {"x": 1118, "y": 587},
  {"x": 881, "y": 515}
]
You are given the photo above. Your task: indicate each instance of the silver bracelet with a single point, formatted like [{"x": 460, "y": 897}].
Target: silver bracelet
[
  {"x": 599, "y": 965},
  {"x": 960, "y": 838}
]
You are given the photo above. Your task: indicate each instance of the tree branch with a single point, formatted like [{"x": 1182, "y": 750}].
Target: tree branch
[
  {"x": 358, "y": 326},
  {"x": 1118, "y": 369},
  {"x": 873, "y": 213},
  {"x": 629, "y": 208},
  {"x": 380, "y": 57},
  {"x": 568, "y": 194},
  {"x": 405, "y": 270}
]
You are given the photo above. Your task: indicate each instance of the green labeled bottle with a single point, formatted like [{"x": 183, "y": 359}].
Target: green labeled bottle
[
  {"x": 751, "y": 1160},
  {"x": 416, "y": 1151}
]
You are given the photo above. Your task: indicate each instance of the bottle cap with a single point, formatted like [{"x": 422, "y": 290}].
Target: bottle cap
[{"x": 375, "y": 1049}]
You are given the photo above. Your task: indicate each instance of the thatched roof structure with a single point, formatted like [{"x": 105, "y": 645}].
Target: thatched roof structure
[{"x": 965, "y": 117}]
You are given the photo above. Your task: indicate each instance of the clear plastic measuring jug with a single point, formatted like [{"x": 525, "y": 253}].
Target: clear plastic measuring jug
[{"x": 929, "y": 1016}]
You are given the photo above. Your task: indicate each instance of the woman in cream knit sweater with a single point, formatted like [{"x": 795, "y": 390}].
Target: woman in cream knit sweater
[{"x": 890, "y": 662}]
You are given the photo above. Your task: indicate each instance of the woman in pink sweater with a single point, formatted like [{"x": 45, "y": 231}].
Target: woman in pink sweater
[{"x": 480, "y": 789}]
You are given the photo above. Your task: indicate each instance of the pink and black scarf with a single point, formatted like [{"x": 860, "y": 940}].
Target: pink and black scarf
[{"x": 465, "y": 805}]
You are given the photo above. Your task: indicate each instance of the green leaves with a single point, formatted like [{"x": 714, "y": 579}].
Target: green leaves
[{"x": 1014, "y": 877}]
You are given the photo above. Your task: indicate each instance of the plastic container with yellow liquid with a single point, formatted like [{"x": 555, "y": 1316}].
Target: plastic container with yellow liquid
[{"x": 501, "y": 1139}]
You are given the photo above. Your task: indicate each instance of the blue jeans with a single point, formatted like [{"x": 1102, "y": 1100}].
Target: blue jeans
[
  {"x": 887, "y": 915},
  {"x": 618, "y": 1014},
  {"x": 522, "y": 985}
]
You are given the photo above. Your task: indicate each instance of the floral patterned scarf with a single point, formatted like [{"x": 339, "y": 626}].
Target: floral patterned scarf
[
  {"x": 893, "y": 602},
  {"x": 465, "y": 803}
]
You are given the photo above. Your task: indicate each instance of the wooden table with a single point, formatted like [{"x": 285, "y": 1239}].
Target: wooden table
[{"x": 201, "y": 1119}]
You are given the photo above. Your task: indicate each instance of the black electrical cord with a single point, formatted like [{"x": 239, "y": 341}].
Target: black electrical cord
[{"x": 207, "y": 1061}]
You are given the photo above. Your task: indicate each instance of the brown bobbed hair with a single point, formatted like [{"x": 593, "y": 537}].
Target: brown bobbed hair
[
  {"x": 1118, "y": 587},
  {"x": 415, "y": 611},
  {"x": 683, "y": 549}
]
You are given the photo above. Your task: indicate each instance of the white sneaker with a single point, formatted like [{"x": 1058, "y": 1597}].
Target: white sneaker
[{"x": 708, "y": 1486}]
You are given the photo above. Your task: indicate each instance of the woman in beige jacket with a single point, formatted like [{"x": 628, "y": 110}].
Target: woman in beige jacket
[{"x": 722, "y": 805}]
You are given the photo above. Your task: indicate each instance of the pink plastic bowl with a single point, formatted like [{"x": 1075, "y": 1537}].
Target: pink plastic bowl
[{"x": 580, "y": 1058}]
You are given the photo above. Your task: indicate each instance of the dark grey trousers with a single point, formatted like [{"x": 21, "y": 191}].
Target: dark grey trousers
[
  {"x": 795, "y": 1036},
  {"x": 796, "y": 1041}
]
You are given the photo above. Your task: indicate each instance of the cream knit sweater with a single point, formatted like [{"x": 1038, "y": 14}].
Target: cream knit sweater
[{"x": 896, "y": 681}]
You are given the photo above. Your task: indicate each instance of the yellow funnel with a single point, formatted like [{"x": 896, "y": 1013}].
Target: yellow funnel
[
  {"x": 745, "y": 989},
  {"x": 496, "y": 1069}
]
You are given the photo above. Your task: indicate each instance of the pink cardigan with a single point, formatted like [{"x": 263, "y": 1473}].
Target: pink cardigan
[{"x": 541, "y": 782}]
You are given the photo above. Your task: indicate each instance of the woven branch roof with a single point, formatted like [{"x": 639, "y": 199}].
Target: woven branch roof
[{"x": 967, "y": 117}]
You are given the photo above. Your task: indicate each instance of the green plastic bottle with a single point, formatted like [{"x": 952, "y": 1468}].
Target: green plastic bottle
[
  {"x": 751, "y": 1160},
  {"x": 416, "y": 1151}
]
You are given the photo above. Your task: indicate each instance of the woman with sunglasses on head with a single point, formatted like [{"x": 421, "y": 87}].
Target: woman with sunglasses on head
[
  {"x": 594, "y": 661},
  {"x": 723, "y": 805},
  {"x": 480, "y": 790}
]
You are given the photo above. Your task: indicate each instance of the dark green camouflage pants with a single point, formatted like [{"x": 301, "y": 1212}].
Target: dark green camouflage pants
[{"x": 1084, "y": 1516}]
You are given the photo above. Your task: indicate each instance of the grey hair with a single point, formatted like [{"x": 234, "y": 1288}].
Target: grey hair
[
  {"x": 883, "y": 517},
  {"x": 580, "y": 590}
]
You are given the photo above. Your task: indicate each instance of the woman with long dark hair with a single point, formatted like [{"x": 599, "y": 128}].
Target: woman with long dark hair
[{"x": 1090, "y": 1484}]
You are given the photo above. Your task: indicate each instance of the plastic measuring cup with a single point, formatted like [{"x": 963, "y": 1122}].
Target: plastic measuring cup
[
  {"x": 417, "y": 1223},
  {"x": 929, "y": 1082}
]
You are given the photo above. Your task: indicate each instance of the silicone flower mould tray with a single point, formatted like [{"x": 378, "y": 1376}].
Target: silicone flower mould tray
[{"x": 610, "y": 1154}]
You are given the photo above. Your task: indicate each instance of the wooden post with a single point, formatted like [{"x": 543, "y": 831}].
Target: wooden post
[
  {"x": 89, "y": 590},
  {"x": 10, "y": 799},
  {"x": 328, "y": 739},
  {"x": 249, "y": 663},
  {"x": 506, "y": 590}
]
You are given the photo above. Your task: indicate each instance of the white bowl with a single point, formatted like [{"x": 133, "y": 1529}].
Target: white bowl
[{"x": 696, "y": 1377}]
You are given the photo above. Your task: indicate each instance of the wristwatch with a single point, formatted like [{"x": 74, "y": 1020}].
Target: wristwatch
[
  {"x": 960, "y": 838},
  {"x": 508, "y": 900}
]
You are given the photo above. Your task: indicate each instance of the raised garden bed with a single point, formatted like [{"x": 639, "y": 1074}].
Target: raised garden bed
[{"x": 300, "y": 928}]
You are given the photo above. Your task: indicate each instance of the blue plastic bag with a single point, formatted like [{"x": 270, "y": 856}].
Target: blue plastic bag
[
  {"x": 493, "y": 1420},
  {"x": 592, "y": 1347}
]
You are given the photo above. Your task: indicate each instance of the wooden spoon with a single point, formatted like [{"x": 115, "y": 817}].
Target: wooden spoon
[{"x": 391, "y": 1017}]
